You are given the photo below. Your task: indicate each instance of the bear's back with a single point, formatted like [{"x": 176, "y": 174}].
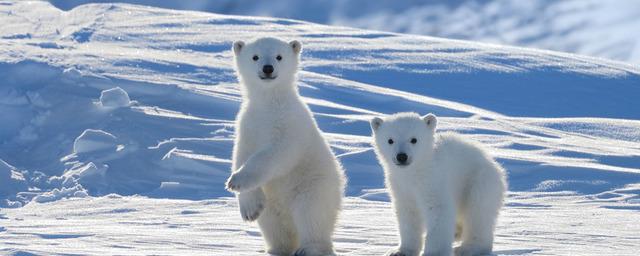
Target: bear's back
[{"x": 455, "y": 152}]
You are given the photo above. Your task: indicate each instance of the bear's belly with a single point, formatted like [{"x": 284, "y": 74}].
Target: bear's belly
[{"x": 281, "y": 190}]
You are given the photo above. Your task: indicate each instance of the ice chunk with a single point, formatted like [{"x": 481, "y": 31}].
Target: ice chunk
[
  {"x": 114, "y": 98},
  {"x": 94, "y": 140},
  {"x": 90, "y": 176},
  {"x": 91, "y": 170}
]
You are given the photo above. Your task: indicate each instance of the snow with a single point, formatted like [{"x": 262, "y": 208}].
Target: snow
[
  {"x": 592, "y": 27},
  {"x": 117, "y": 225},
  {"x": 114, "y": 179}
]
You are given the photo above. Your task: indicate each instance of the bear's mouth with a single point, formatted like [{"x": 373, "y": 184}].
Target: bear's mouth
[
  {"x": 403, "y": 164},
  {"x": 267, "y": 77}
]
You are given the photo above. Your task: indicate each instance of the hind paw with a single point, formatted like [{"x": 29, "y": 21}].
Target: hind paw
[
  {"x": 313, "y": 252},
  {"x": 400, "y": 252}
]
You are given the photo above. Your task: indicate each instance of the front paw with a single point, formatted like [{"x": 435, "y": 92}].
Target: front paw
[
  {"x": 252, "y": 205},
  {"x": 400, "y": 252},
  {"x": 461, "y": 251},
  {"x": 396, "y": 253},
  {"x": 239, "y": 182}
]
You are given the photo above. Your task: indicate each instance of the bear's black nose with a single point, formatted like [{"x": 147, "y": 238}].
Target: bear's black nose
[
  {"x": 267, "y": 69},
  {"x": 402, "y": 158}
]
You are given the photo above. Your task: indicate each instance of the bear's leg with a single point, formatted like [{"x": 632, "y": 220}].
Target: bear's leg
[
  {"x": 411, "y": 228},
  {"x": 458, "y": 235},
  {"x": 477, "y": 234},
  {"x": 278, "y": 231},
  {"x": 314, "y": 213},
  {"x": 441, "y": 225},
  {"x": 480, "y": 219}
]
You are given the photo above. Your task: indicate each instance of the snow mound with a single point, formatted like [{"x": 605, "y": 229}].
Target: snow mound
[
  {"x": 94, "y": 140},
  {"x": 114, "y": 98}
]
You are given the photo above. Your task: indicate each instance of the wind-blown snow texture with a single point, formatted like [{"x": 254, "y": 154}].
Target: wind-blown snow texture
[
  {"x": 604, "y": 29},
  {"x": 564, "y": 126}
]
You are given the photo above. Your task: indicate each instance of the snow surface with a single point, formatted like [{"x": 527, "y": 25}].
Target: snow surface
[
  {"x": 607, "y": 29},
  {"x": 566, "y": 127},
  {"x": 114, "y": 225}
]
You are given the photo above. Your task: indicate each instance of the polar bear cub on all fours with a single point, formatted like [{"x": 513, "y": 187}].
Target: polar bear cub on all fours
[
  {"x": 440, "y": 184},
  {"x": 284, "y": 172}
]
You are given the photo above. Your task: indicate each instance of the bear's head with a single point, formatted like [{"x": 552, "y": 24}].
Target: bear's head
[
  {"x": 400, "y": 138},
  {"x": 267, "y": 61}
]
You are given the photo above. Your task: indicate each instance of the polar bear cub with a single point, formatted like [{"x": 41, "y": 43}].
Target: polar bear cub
[
  {"x": 284, "y": 172},
  {"x": 440, "y": 184}
]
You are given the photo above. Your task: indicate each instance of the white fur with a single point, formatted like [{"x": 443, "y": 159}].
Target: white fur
[
  {"x": 283, "y": 169},
  {"x": 450, "y": 189}
]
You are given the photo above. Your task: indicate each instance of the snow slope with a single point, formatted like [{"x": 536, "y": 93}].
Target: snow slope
[
  {"x": 140, "y": 102},
  {"x": 604, "y": 29}
]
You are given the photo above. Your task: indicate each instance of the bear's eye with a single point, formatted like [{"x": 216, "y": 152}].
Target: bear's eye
[
  {"x": 414, "y": 140},
  {"x": 279, "y": 58},
  {"x": 390, "y": 141},
  {"x": 255, "y": 58}
]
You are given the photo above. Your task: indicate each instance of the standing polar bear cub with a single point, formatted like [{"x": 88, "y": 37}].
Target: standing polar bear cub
[
  {"x": 284, "y": 172},
  {"x": 442, "y": 184}
]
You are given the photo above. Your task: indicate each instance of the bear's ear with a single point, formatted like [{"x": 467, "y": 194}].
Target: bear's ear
[
  {"x": 376, "y": 122},
  {"x": 237, "y": 46},
  {"x": 296, "y": 46},
  {"x": 430, "y": 120}
]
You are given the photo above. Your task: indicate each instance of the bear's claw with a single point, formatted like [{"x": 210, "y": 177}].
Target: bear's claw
[
  {"x": 251, "y": 216},
  {"x": 235, "y": 183},
  {"x": 251, "y": 205}
]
